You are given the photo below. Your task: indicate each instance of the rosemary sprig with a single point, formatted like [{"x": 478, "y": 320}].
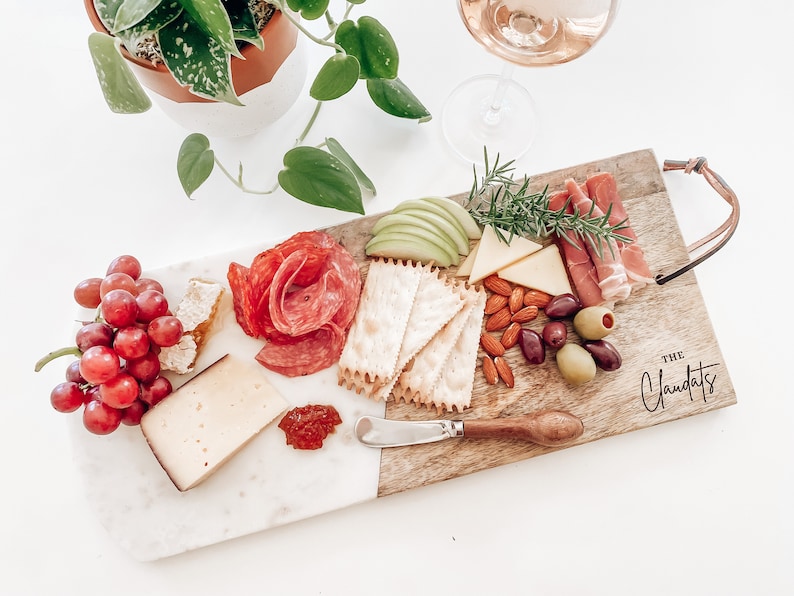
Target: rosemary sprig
[{"x": 507, "y": 205}]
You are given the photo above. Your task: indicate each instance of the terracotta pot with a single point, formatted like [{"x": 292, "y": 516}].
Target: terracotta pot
[{"x": 267, "y": 82}]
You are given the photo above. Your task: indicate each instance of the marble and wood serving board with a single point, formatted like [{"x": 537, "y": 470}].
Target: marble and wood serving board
[{"x": 672, "y": 368}]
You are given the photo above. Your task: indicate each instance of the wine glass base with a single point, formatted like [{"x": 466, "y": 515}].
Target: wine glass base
[{"x": 470, "y": 125}]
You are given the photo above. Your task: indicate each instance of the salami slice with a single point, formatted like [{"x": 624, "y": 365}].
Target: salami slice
[
  {"x": 303, "y": 355},
  {"x": 341, "y": 260},
  {"x": 241, "y": 298},
  {"x": 296, "y": 310},
  {"x": 316, "y": 245}
]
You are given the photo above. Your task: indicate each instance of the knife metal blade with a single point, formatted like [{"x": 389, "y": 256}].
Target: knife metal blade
[{"x": 550, "y": 428}]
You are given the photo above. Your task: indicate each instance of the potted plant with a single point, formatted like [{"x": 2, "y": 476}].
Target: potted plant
[{"x": 200, "y": 41}]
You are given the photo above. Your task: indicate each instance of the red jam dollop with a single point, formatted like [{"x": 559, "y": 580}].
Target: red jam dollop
[{"x": 307, "y": 426}]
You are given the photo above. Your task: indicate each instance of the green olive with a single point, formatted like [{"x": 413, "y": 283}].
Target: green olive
[
  {"x": 576, "y": 364},
  {"x": 594, "y": 322}
]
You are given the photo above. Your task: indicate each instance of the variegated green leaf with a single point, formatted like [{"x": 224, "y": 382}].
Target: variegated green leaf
[
  {"x": 244, "y": 24},
  {"x": 372, "y": 44},
  {"x": 395, "y": 98},
  {"x": 211, "y": 16},
  {"x": 163, "y": 15},
  {"x": 106, "y": 11},
  {"x": 123, "y": 93},
  {"x": 132, "y": 12},
  {"x": 197, "y": 61}
]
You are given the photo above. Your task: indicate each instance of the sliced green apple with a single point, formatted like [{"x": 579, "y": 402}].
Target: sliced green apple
[
  {"x": 442, "y": 223},
  {"x": 456, "y": 210},
  {"x": 431, "y": 207},
  {"x": 438, "y": 238},
  {"x": 407, "y": 247}
]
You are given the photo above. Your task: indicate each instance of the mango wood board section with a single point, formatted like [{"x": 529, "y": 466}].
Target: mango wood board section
[{"x": 672, "y": 364}]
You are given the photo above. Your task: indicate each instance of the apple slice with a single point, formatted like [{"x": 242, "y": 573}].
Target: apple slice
[
  {"x": 407, "y": 247},
  {"x": 456, "y": 210},
  {"x": 407, "y": 230},
  {"x": 442, "y": 223},
  {"x": 431, "y": 208}
]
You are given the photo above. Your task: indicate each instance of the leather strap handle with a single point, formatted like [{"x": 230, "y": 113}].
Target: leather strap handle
[{"x": 719, "y": 237}]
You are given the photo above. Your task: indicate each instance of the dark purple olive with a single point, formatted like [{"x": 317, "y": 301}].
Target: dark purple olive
[
  {"x": 532, "y": 346},
  {"x": 555, "y": 334},
  {"x": 604, "y": 354},
  {"x": 562, "y": 306}
]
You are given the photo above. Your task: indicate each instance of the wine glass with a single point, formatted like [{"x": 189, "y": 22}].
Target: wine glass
[{"x": 495, "y": 111}]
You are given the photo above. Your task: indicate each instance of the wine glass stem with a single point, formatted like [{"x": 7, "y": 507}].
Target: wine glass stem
[{"x": 492, "y": 116}]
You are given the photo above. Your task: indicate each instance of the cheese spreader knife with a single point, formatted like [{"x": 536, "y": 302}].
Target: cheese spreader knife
[{"x": 550, "y": 428}]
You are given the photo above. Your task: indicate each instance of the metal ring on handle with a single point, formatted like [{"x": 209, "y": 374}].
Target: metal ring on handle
[{"x": 723, "y": 233}]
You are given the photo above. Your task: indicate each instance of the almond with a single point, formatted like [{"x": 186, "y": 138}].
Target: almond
[
  {"x": 497, "y": 285},
  {"x": 526, "y": 314},
  {"x": 494, "y": 303},
  {"x": 499, "y": 320},
  {"x": 510, "y": 336},
  {"x": 516, "y": 300},
  {"x": 536, "y": 298},
  {"x": 489, "y": 371},
  {"x": 504, "y": 371},
  {"x": 491, "y": 345}
]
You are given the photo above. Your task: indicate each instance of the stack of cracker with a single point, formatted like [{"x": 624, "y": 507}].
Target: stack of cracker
[{"x": 415, "y": 337}]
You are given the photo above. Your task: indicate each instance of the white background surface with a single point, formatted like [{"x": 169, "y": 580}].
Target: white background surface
[{"x": 699, "y": 506}]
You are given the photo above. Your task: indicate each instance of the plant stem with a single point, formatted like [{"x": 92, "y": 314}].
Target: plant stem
[
  {"x": 306, "y": 32},
  {"x": 238, "y": 181},
  {"x": 71, "y": 350}
]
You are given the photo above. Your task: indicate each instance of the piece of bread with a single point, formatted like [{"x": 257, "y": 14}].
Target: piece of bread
[{"x": 197, "y": 310}]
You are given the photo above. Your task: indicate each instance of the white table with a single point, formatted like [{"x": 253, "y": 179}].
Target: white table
[{"x": 698, "y": 506}]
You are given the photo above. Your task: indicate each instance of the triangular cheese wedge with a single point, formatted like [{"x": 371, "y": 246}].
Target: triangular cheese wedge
[
  {"x": 544, "y": 271},
  {"x": 468, "y": 264},
  {"x": 493, "y": 254}
]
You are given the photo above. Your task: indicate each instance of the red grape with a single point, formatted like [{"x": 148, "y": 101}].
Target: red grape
[
  {"x": 93, "y": 334},
  {"x": 91, "y": 394},
  {"x": 117, "y": 281},
  {"x": 101, "y": 419},
  {"x": 86, "y": 293},
  {"x": 73, "y": 373},
  {"x": 132, "y": 415},
  {"x": 120, "y": 391},
  {"x": 151, "y": 304},
  {"x": 125, "y": 264},
  {"x": 153, "y": 392},
  {"x": 99, "y": 364},
  {"x": 165, "y": 331},
  {"x": 119, "y": 308},
  {"x": 145, "y": 283},
  {"x": 67, "y": 396},
  {"x": 131, "y": 343},
  {"x": 146, "y": 368}
]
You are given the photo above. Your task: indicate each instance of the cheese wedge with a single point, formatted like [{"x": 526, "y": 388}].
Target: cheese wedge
[
  {"x": 493, "y": 254},
  {"x": 543, "y": 270},
  {"x": 467, "y": 265},
  {"x": 201, "y": 425}
]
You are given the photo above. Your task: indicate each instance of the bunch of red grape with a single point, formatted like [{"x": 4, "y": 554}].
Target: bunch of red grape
[{"x": 117, "y": 376}]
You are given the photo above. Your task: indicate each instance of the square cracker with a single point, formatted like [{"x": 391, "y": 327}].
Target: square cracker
[
  {"x": 418, "y": 381},
  {"x": 437, "y": 301},
  {"x": 369, "y": 358}
]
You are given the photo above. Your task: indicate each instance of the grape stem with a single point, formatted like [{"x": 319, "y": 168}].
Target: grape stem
[{"x": 71, "y": 350}]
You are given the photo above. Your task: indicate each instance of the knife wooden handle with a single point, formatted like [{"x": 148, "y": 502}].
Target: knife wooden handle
[{"x": 550, "y": 428}]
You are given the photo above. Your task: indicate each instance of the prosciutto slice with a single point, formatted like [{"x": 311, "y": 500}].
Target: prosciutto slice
[
  {"x": 581, "y": 268},
  {"x": 612, "y": 278},
  {"x": 603, "y": 189}
]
